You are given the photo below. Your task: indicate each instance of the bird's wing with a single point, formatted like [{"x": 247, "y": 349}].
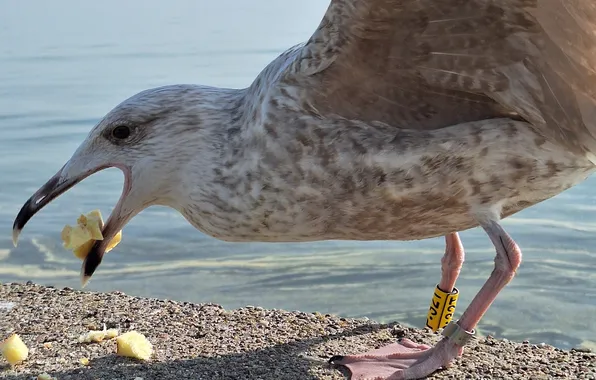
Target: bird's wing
[{"x": 434, "y": 63}]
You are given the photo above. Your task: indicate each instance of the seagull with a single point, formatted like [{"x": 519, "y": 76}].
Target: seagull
[{"x": 395, "y": 120}]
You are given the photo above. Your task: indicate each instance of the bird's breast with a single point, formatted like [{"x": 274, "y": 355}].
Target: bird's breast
[{"x": 402, "y": 191}]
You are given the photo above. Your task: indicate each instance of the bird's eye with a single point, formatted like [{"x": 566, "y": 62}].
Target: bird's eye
[{"x": 121, "y": 132}]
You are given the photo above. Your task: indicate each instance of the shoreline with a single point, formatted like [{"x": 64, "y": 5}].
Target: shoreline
[{"x": 205, "y": 341}]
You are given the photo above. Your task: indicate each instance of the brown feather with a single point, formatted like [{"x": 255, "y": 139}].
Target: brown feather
[{"x": 430, "y": 64}]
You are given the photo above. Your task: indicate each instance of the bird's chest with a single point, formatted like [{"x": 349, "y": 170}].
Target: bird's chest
[
  {"x": 401, "y": 193},
  {"x": 371, "y": 208}
]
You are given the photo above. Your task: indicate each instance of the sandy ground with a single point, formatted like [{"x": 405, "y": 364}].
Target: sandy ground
[{"x": 204, "y": 341}]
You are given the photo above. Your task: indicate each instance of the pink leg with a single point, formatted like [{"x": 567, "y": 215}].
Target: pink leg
[
  {"x": 444, "y": 297},
  {"x": 507, "y": 261},
  {"x": 408, "y": 360},
  {"x": 452, "y": 261}
]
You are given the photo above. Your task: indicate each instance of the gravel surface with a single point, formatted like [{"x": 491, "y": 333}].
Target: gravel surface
[{"x": 204, "y": 341}]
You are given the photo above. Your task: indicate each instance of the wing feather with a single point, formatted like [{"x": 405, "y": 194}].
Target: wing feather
[{"x": 434, "y": 63}]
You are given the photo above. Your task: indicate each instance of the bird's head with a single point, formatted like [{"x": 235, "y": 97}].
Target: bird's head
[{"x": 151, "y": 137}]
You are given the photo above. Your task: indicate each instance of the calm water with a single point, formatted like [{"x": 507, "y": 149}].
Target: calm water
[{"x": 62, "y": 67}]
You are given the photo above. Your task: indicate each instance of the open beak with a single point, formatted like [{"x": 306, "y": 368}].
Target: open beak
[
  {"x": 48, "y": 192},
  {"x": 58, "y": 185}
]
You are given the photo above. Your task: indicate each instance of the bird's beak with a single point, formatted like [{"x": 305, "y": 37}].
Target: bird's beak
[
  {"x": 55, "y": 186},
  {"x": 67, "y": 177}
]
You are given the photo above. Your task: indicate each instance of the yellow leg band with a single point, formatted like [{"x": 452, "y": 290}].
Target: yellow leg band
[{"x": 442, "y": 308}]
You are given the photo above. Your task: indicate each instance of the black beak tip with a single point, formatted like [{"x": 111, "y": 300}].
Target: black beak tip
[
  {"x": 36, "y": 202},
  {"x": 91, "y": 263},
  {"x": 24, "y": 215}
]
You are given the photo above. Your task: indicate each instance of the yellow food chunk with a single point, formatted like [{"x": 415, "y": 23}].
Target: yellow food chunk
[
  {"x": 98, "y": 335},
  {"x": 84, "y": 361},
  {"x": 92, "y": 336},
  {"x": 87, "y": 228},
  {"x": 111, "y": 333},
  {"x": 14, "y": 350},
  {"x": 134, "y": 345},
  {"x": 81, "y": 237},
  {"x": 45, "y": 376}
]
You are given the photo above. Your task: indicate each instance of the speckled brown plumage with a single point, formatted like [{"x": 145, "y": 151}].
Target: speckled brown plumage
[
  {"x": 428, "y": 64},
  {"x": 396, "y": 120}
]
